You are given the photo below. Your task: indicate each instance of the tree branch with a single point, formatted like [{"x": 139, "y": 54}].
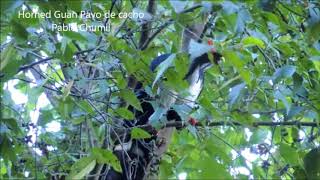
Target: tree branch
[
  {"x": 145, "y": 27},
  {"x": 147, "y": 42},
  {"x": 25, "y": 67},
  {"x": 180, "y": 124},
  {"x": 170, "y": 21}
]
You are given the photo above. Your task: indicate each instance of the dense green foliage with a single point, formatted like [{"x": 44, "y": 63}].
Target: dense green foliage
[{"x": 270, "y": 73}]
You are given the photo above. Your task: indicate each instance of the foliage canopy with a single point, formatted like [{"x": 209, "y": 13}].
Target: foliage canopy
[{"x": 259, "y": 109}]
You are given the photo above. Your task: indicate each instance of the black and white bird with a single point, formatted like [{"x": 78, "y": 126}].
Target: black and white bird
[{"x": 199, "y": 62}]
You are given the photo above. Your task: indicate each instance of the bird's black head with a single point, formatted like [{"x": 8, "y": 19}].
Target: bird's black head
[{"x": 203, "y": 62}]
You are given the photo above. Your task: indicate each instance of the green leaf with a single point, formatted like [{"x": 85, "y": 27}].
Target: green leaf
[
  {"x": 75, "y": 36},
  {"x": 138, "y": 133},
  {"x": 82, "y": 167},
  {"x": 6, "y": 55},
  {"x": 283, "y": 72},
  {"x": 294, "y": 110},
  {"x": 10, "y": 62},
  {"x": 253, "y": 41},
  {"x": 125, "y": 113},
  {"x": 11, "y": 123},
  {"x": 45, "y": 116},
  {"x": 104, "y": 156},
  {"x": 295, "y": 134},
  {"x": 285, "y": 49},
  {"x": 131, "y": 98},
  {"x": 206, "y": 104},
  {"x": 118, "y": 44},
  {"x": 258, "y": 136},
  {"x": 211, "y": 169},
  {"x": 233, "y": 59},
  {"x": 267, "y": 5},
  {"x": 214, "y": 147},
  {"x": 231, "y": 22},
  {"x": 272, "y": 17},
  {"x": 178, "y": 5},
  {"x": 7, "y": 149},
  {"x": 229, "y": 7},
  {"x": 243, "y": 118},
  {"x": 74, "y": 5},
  {"x": 67, "y": 49},
  {"x": 297, "y": 82},
  {"x": 3, "y": 170},
  {"x": 165, "y": 170},
  {"x": 243, "y": 18},
  {"x": 84, "y": 105},
  {"x": 289, "y": 154},
  {"x": 121, "y": 81},
  {"x": 299, "y": 173},
  {"x": 65, "y": 107},
  {"x": 66, "y": 90},
  {"x": 163, "y": 67},
  {"x": 280, "y": 96},
  {"x": 19, "y": 31},
  {"x": 10, "y": 6},
  {"x": 78, "y": 120},
  {"x": 257, "y": 171},
  {"x": 235, "y": 93},
  {"x": 312, "y": 164}
]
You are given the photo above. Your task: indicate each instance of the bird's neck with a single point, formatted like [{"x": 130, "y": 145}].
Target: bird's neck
[
  {"x": 196, "y": 75},
  {"x": 195, "y": 85}
]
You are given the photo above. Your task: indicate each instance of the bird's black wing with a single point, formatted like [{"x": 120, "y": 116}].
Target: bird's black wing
[{"x": 158, "y": 60}]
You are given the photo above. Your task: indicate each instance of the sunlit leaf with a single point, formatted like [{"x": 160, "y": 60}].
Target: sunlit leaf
[
  {"x": 235, "y": 93},
  {"x": 283, "y": 72},
  {"x": 11, "y": 123},
  {"x": 67, "y": 89},
  {"x": 290, "y": 154},
  {"x": 130, "y": 98},
  {"x": 105, "y": 156},
  {"x": 10, "y": 62},
  {"x": 233, "y": 59},
  {"x": 75, "y": 36},
  {"x": 258, "y": 136},
  {"x": 252, "y": 41},
  {"x": 125, "y": 113},
  {"x": 138, "y": 133},
  {"x": 82, "y": 167}
]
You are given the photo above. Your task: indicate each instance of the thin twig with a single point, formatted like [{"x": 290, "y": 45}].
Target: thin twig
[
  {"x": 147, "y": 42},
  {"x": 25, "y": 67},
  {"x": 181, "y": 124},
  {"x": 170, "y": 21}
]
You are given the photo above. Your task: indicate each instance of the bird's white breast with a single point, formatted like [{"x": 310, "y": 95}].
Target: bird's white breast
[{"x": 196, "y": 83}]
